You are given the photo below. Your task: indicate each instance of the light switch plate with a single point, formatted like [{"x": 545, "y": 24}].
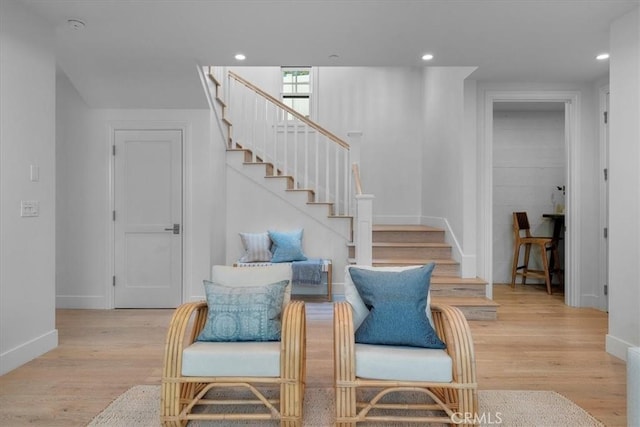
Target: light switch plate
[{"x": 29, "y": 208}]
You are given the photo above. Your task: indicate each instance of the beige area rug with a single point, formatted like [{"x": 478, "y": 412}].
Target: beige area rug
[{"x": 139, "y": 407}]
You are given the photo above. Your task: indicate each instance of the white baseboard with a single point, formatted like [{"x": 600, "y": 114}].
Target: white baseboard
[
  {"x": 467, "y": 261},
  {"x": 617, "y": 347},
  {"x": 81, "y": 301},
  {"x": 593, "y": 301},
  {"x": 28, "y": 351}
]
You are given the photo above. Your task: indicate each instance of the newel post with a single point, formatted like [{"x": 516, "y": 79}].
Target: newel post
[{"x": 364, "y": 229}]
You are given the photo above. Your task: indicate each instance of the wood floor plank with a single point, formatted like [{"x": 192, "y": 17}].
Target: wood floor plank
[{"x": 537, "y": 343}]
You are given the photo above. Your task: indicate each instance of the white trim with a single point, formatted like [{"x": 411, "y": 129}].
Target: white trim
[
  {"x": 467, "y": 262},
  {"x": 25, "y": 352},
  {"x": 617, "y": 347},
  {"x": 485, "y": 157},
  {"x": 601, "y": 302},
  {"x": 185, "y": 128}
]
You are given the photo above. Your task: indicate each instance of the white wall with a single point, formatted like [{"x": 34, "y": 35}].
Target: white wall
[
  {"x": 448, "y": 157},
  {"x": 252, "y": 209},
  {"x": 83, "y": 148},
  {"x": 528, "y": 164},
  {"x": 27, "y": 129},
  {"x": 385, "y": 105},
  {"x": 624, "y": 185}
]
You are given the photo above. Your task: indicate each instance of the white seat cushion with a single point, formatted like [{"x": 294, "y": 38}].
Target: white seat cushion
[
  {"x": 232, "y": 359},
  {"x": 384, "y": 362}
]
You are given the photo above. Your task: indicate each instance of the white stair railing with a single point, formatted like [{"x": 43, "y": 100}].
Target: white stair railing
[{"x": 316, "y": 159}]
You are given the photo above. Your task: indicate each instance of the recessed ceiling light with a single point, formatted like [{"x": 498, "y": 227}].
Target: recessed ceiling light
[
  {"x": 75, "y": 24},
  {"x": 334, "y": 56},
  {"x": 240, "y": 57},
  {"x": 427, "y": 57},
  {"x": 602, "y": 56}
]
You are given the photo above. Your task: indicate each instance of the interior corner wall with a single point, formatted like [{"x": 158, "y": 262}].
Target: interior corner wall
[
  {"x": 624, "y": 197},
  {"x": 27, "y": 149},
  {"x": 444, "y": 150}
]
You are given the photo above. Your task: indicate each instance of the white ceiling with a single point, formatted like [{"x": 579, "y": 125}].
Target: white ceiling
[{"x": 143, "y": 53}]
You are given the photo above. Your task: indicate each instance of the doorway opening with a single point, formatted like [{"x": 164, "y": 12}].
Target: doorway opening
[
  {"x": 571, "y": 102},
  {"x": 529, "y": 172}
]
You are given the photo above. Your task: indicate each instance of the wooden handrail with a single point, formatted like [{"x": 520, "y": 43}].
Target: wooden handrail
[
  {"x": 356, "y": 175},
  {"x": 289, "y": 110}
]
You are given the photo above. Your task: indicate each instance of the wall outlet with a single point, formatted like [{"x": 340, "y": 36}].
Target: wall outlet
[{"x": 29, "y": 208}]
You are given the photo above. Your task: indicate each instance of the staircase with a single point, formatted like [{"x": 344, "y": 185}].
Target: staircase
[
  {"x": 266, "y": 175},
  {"x": 309, "y": 167},
  {"x": 401, "y": 245}
]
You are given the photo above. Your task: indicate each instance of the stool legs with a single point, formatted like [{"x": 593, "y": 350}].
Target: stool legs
[{"x": 541, "y": 274}]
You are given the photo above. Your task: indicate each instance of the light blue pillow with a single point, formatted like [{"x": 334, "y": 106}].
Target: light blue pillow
[
  {"x": 397, "y": 302},
  {"x": 244, "y": 313},
  {"x": 287, "y": 246}
]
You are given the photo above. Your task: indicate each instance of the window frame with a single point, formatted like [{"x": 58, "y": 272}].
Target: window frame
[{"x": 300, "y": 95}]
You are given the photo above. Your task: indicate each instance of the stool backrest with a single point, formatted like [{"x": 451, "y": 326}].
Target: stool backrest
[{"x": 521, "y": 223}]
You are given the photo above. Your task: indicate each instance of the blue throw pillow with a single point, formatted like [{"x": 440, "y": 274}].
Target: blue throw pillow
[
  {"x": 397, "y": 302},
  {"x": 243, "y": 313},
  {"x": 287, "y": 246}
]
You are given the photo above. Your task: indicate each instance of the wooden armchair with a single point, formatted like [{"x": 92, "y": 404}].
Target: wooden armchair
[
  {"x": 447, "y": 376},
  {"x": 234, "y": 365}
]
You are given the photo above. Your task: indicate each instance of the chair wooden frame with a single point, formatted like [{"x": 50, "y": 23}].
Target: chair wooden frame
[
  {"x": 544, "y": 244},
  {"x": 180, "y": 394},
  {"x": 458, "y": 399}
]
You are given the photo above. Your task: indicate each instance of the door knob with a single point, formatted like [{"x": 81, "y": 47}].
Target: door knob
[{"x": 175, "y": 229}]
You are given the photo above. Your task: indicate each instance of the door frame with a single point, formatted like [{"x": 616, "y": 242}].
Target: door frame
[
  {"x": 485, "y": 183},
  {"x": 603, "y": 300},
  {"x": 154, "y": 125}
]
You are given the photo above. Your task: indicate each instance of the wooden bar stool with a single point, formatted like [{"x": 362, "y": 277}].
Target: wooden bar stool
[{"x": 522, "y": 237}]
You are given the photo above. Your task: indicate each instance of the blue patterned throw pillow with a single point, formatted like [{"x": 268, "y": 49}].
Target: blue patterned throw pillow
[
  {"x": 245, "y": 313},
  {"x": 397, "y": 302},
  {"x": 287, "y": 246}
]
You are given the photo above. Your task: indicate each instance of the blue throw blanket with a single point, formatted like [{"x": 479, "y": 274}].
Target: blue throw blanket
[{"x": 307, "y": 272}]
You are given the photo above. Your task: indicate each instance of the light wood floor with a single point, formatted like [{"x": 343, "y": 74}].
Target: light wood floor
[{"x": 537, "y": 343}]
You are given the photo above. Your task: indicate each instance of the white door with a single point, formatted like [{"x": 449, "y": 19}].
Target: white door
[{"x": 148, "y": 218}]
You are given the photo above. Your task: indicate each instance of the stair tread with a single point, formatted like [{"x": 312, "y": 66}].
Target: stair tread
[
  {"x": 404, "y": 227},
  {"x": 464, "y": 301}
]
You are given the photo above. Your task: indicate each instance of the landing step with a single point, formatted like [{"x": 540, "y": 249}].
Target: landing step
[{"x": 473, "y": 308}]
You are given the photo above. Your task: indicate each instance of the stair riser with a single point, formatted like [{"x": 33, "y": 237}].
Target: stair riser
[
  {"x": 410, "y": 252},
  {"x": 439, "y": 270},
  {"x": 408, "y": 236},
  {"x": 479, "y": 313},
  {"x": 457, "y": 290}
]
